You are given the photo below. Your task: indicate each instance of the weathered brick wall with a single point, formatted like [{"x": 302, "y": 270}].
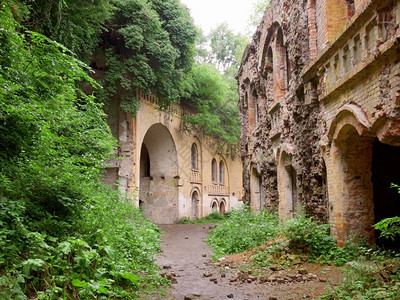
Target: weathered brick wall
[
  {"x": 312, "y": 140},
  {"x": 283, "y": 116}
]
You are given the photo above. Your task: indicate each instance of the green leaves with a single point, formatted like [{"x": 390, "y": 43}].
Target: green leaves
[
  {"x": 211, "y": 110},
  {"x": 156, "y": 40}
]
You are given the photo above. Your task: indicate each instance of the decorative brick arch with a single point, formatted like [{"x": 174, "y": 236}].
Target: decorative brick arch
[{"x": 349, "y": 115}]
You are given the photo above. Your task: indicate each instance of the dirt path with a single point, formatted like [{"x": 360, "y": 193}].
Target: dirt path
[{"x": 186, "y": 258}]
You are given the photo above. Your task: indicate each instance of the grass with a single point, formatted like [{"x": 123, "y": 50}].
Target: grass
[
  {"x": 266, "y": 241},
  {"x": 214, "y": 217}
]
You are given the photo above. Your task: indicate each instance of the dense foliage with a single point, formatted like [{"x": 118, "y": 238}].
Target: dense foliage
[
  {"x": 366, "y": 280},
  {"x": 211, "y": 110},
  {"x": 242, "y": 231},
  {"x": 74, "y": 23},
  {"x": 149, "y": 46},
  {"x": 390, "y": 227},
  {"x": 62, "y": 233},
  {"x": 245, "y": 230},
  {"x": 210, "y": 91}
]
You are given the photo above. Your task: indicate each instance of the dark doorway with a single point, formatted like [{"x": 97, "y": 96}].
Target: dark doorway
[
  {"x": 385, "y": 171},
  {"x": 144, "y": 162}
]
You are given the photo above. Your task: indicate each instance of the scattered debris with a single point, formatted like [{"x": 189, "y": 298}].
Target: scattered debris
[{"x": 207, "y": 274}]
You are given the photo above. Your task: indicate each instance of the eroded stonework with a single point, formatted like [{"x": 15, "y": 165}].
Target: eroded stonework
[{"x": 319, "y": 101}]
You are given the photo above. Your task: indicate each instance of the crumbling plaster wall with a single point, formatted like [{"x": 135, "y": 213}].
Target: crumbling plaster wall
[{"x": 286, "y": 122}]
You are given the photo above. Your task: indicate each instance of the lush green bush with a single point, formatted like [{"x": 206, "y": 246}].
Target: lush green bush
[
  {"x": 212, "y": 108},
  {"x": 390, "y": 227},
  {"x": 316, "y": 241},
  {"x": 62, "y": 233},
  {"x": 243, "y": 230},
  {"x": 369, "y": 281}
]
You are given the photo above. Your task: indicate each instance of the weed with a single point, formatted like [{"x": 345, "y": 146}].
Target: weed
[
  {"x": 214, "y": 217},
  {"x": 243, "y": 230}
]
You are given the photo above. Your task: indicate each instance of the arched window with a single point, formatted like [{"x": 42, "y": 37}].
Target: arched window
[
  {"x": 280, "y": 72},
  {"x": 222, "y": 206},
  {"x": 221, "y": 172},
  {"x": 195, "y": 155},
  {"x": 214, "y": 206},
  {"x": 214, "y": 170}
]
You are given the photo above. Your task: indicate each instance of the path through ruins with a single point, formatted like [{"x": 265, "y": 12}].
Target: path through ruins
[{"x": 186, "y": 259}]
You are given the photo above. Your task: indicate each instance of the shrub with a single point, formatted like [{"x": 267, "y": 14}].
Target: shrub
[
  {"x": 243, "y": 230},
  {"x": 366, "y": 281}
]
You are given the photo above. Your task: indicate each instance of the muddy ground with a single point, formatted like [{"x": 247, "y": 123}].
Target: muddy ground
[{"x": 186, "y": 261}]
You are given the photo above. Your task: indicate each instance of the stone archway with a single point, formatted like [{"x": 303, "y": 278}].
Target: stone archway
[{"x": 158, "y": 179}]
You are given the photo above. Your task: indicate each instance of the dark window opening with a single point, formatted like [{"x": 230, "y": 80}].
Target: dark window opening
[
  {"x": 144, "y": 162},
  {"x": 195, "y": 165},
  {"x": 214, "y": 170},
  {"x": 221, "y": 172}
]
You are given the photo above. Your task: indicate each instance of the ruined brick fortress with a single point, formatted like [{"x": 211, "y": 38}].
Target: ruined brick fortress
[
  {"x": 320, "y": 101},
  {"x": 173, "y": 173}
]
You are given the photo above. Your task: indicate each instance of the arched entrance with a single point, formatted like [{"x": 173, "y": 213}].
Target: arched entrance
[
  {"x": 222, "y": 207},
  {"x": 158, "y": 176},
  {"x": 214, "y": 206},
  {"x": 195, "y": 204},
  {"x": 287, "y": 181}
]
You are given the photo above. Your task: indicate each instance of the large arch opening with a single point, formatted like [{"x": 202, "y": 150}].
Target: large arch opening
[
  {"x": 385, "y": 171},
  {"x": 158, "y": 176},
  {"x": 352, "y": 203}
]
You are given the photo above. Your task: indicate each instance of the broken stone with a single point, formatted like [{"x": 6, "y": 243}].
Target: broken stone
[
  {"x": 196, "y": 294},
  {"x": 275, "y": 268},
  {"x": 233, "y": 279},
  {"x": 230, "y": 296},
  {"x": 166, "y": 267},
  {"x": 207, "y": 274},
  {"x": 302, "y": 271},
  {"x": 187, "y": 298},
  {"x": 186, "y": 237},
  {"x": 272, "y": 298},
  {"x": 204, "y": 255},
  {"x": 215, "y": 280},
  {"x": 223, "y": 275},
  {"x": 281, "y": 280}
]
